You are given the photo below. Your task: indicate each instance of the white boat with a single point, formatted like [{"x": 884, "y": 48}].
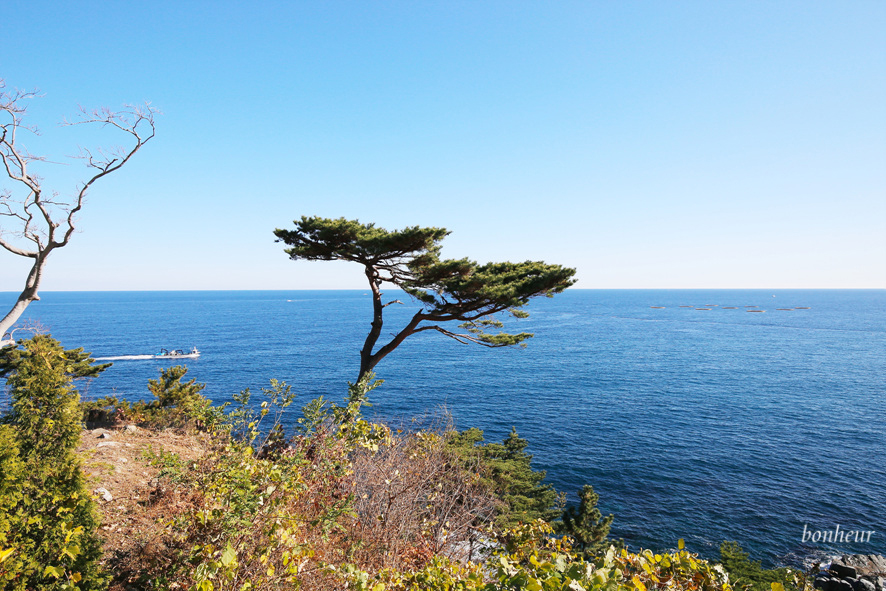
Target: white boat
[{"x": 177, "y": 354}]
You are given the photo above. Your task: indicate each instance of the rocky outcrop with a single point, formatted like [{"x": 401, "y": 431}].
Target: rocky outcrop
[{"x": 855, "y": 572}]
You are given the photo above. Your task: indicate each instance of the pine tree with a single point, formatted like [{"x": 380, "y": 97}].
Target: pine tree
[
  {"x": 169, "y": 390},
  {"x": 447, "y": 290},
  {"x": 586, "y": 525},
  {"x": 51, "y": 519},
  {"x": 507, "y": 469}
]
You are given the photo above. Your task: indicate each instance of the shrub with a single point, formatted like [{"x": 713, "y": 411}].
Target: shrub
[
  {"x": 749, "y": 575},
  {"x": 261, "y": 511},
  {"x": 527, "y": 557},
  {"x": 177, "y": 404},
  {"x": 169, "y": 390},
  {"x": 50, "y": 518},
  {"x": 416, "y": 499}
]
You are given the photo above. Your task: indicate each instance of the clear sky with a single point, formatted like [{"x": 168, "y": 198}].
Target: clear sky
[{"x": 648, "y": 144}]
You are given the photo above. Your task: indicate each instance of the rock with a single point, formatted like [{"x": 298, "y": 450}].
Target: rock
[
  {"x": 131, "y": 429},
  {"x": 104, "y": 495},
  {"x": 843, "y": 570},
  {"x": 109, "y": 444},
  {"x": 859, "y": 565},
  {"x": 102, "y": 434},
  {"x": 855, "y": 572}
]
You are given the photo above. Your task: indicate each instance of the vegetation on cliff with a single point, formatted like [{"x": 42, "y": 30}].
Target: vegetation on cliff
[{"x": 335, "y": 502}]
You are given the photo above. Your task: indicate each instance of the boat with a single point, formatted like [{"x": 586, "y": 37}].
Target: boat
[
  {"x": 177, "y": 354},
  {"x": 657, "y": 307}
]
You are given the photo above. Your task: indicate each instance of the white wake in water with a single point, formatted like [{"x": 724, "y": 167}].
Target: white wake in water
[{"x": 121, "y": 357}]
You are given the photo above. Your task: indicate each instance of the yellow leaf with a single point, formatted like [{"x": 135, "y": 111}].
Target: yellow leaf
[
  {"x": 777, "y": 587},
  {"x": 76, "y": 577},
  {"x": 4, "y": 554},
  {"x": 638, "y": 583},
  {"x": 681, "y": 544}
]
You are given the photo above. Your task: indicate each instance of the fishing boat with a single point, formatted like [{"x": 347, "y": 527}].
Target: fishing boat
[{"x": 177, "y": 354}]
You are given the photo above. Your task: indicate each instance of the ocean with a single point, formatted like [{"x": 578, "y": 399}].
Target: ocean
[{"x": 704, "y": 424}]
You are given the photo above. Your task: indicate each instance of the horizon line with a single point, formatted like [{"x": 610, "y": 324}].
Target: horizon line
[{"x": 568, "y": 289}]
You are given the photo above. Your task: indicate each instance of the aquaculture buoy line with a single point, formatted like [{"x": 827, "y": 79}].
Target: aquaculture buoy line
[{"x": 748, "y": 308}]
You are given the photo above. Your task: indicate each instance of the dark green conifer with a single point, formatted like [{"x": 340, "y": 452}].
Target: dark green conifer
[
  {"x": 749, "y": 575},
  {"x": 170, "y": 391},
  {"x": 586, "y": 525},
  {"x": 507, "y": 469}
]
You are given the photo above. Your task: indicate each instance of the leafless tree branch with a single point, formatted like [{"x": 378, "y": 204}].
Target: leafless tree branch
[{"x": 48, "y": 221}]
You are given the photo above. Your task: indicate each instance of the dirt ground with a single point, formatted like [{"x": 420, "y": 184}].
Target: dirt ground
[{"x": 122, "y": 465}]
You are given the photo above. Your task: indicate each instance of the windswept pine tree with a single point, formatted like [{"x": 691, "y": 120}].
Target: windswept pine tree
[{"x": 447, "y": 289}]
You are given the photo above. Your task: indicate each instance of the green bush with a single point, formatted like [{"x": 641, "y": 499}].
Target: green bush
[
  {"x": 47, "y": 532},
  {"x": 177, "y": 404},
  {"x": 169, "y": 390},
  {"x": 749, "y": 575}
]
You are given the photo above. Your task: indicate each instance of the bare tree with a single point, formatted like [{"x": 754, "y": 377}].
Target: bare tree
[{"x": 34, "y": 222}]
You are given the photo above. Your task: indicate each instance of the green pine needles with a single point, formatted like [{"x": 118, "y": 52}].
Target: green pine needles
[{"x": 448, "y": 289}]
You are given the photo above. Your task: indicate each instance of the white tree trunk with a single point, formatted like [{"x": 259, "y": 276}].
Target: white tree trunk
[
  {"x": 28, "y": 295},
  {"x": 13, "y": 315}
]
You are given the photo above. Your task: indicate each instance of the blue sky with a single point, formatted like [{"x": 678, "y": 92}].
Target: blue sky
[{"x": 647, "y": 144}]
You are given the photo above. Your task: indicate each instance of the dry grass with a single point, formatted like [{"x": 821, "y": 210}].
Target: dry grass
[
  {"x": 415, "y": 500},
  {"x": 397, "y": 507}
]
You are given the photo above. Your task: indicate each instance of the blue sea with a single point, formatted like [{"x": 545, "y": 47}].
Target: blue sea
[{"x": 703, "y": 424}]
